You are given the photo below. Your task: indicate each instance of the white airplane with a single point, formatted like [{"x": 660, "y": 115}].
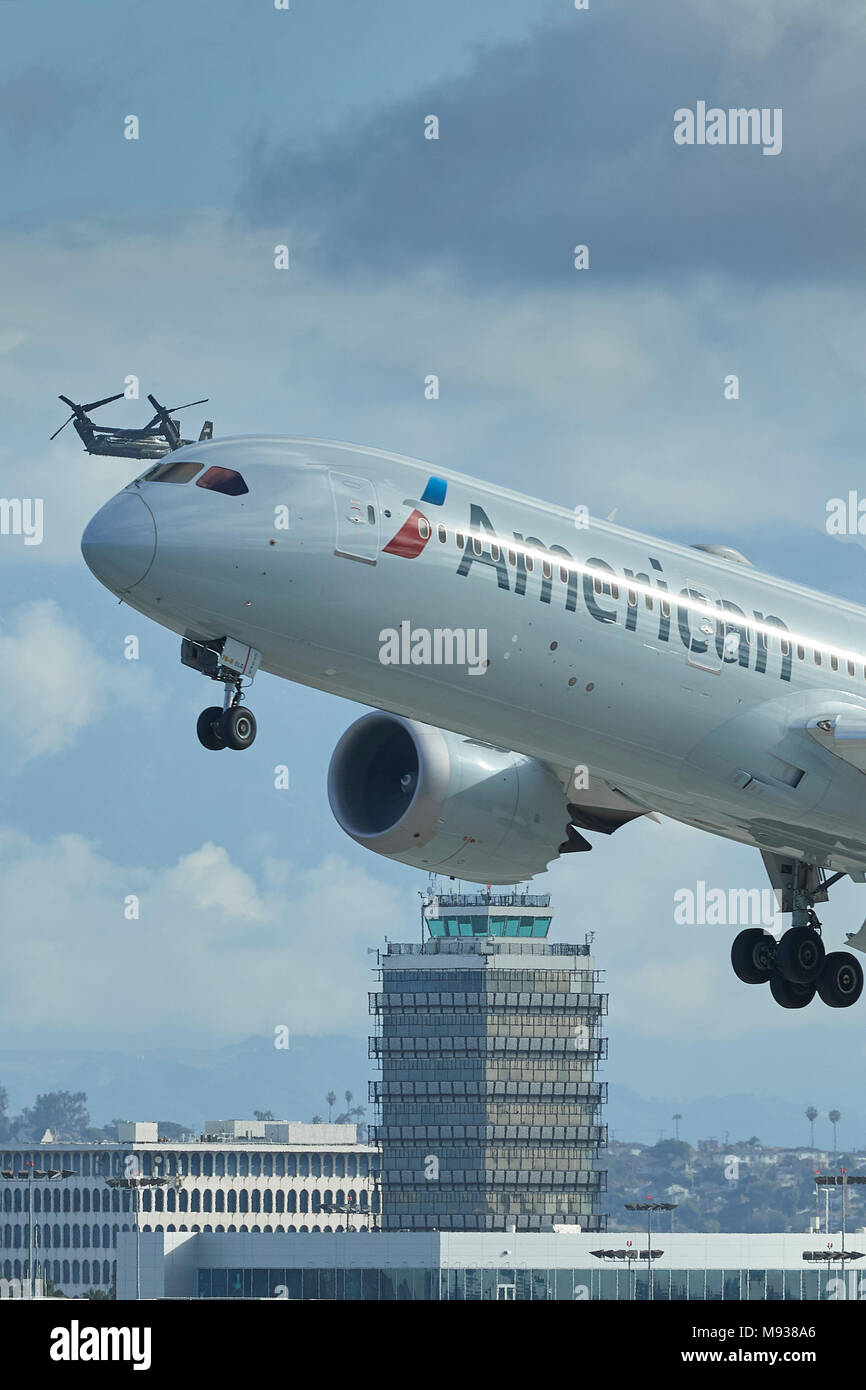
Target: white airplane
[{"x": 531, "y": 677}]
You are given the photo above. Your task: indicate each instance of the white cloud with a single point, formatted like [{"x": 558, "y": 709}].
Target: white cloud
[
  {"x": 56, "y": 683},
  {"x": 215, "y": 954}
]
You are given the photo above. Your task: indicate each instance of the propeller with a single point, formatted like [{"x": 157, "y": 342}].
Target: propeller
[
  {"x": 82, "y": 410},
  {"x": 162, "y": 411}
]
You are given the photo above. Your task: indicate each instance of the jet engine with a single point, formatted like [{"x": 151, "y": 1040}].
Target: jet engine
[{"x": 444, "y": 802}]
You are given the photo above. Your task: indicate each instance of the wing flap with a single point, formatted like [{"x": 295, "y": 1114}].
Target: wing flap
[{"x": 844, "y": 735}]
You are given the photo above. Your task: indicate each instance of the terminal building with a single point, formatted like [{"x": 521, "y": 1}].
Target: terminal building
[
  {"x": 468, "y": 1266},
  {"x": 488, "y": 1040},
  {"x": 240, "y": 1176}
]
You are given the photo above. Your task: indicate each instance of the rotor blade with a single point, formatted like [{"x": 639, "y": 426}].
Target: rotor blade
[
  {"x": 62, "y": 427},
  {"x": 94, "y": 405},
  {"x": 187, "y": 406}
]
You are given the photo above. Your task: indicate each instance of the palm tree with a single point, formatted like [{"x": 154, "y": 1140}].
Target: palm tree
[
  {"x": 834, "y": 1117},
  {"x": 330, "y": 1098},
  {"x": 676, "y": 1119},
  {"x": 348, "y": 1095},
  {"x": 811, "y": 1116}
]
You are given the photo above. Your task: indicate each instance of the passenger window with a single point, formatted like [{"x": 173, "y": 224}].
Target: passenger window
[
  {"x": 223, "y": 480},
  {"x": 494, "y": 551},
  {"x": 423, "y": 528},
  {"x": 477, "y": 546},
  {"x": 546, "y": 569},
  {"x": 512, "y": 559},
  {"x": 179, "y": 472},
  {"x": 834, "y": 663},
  {"x": 850, "y": 668},
  {"x": 458, "y": 536},
  {"x": 801, "y": 652},
  {"x": 441, "y": 532},
  {"x": 817, "y": 657}
]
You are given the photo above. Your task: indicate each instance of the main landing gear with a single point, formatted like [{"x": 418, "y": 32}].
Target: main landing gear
[
  {"x": 231, "y": 725},
  {"x": 797, "y": 967}
]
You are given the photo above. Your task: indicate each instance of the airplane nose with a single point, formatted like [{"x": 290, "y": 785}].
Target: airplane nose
[{"x": 119, "y": 543}]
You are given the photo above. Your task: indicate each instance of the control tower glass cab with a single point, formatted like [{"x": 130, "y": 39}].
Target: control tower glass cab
[{"x": 509, "y": 915}]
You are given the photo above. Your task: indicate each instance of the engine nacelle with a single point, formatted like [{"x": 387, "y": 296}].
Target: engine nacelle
[{"x": 444, "y": 802}]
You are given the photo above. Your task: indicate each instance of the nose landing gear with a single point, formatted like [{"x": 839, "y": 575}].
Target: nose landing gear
[
  {"x": 227, "y": 661},
  {"x": 234, "y": 727}
]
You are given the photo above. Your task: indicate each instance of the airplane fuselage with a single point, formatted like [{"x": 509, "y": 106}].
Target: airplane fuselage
[{"x": 682, "y": 680}]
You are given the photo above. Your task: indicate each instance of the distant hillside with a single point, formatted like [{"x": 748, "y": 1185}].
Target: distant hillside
[
  {"x": 774, "y": 1121},
  {"x": 191, "y": 1086}
]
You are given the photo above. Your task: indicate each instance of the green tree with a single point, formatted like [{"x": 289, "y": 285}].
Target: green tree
[
  {"x": 62, "y": 1111},
  {"x": 811, "y": 1116},
  {"x": 330, "y": 1098},
  {"x": 834, "y": 1117}
]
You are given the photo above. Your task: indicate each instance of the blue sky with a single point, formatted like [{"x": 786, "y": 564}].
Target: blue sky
[{"x": 154, "y": 257}]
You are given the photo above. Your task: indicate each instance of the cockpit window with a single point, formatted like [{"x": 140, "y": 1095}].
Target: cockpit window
[
  {"x": 223, "y": 480},
  {"x": 179, "y": 472}
]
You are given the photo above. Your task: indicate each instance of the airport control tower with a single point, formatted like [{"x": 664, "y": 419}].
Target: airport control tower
[{"x": 488, "y": 1039}]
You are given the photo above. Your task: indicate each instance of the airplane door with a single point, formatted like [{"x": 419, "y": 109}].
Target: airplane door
[
  {"x": 356, "y": 513},
  {"x": 702, "y": 626}
]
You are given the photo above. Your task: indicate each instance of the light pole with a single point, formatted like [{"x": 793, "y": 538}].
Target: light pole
[
  {"x": 135, "y": 1183},
  {"x": 843, "y": 1180},
  {"x": 30, "y": 1174},
  {"x": 649, "y": 1206}
]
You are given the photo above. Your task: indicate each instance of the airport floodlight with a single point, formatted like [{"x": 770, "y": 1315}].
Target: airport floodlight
[
  {"x": 136, "y": 1184},
  {"x": 817, "y": 1255},
  {"x": 31, "y": 1174},
  {"x": 649, "y": 1206}
]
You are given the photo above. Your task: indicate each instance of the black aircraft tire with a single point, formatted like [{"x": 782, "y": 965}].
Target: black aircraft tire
[
  {"x": 752, "y": 954},
  {"x": 800, "y": 955},
  {"x": 789, "y": 994},
  {"x": 208, "y": 729},
  {"x": 840, "y": 983},
  {"x": 238, "y": 727}
]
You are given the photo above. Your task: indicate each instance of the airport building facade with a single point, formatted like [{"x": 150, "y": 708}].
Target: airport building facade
[
  {"x": 239, "y": 1177},
  {"x": 451, "y": 1266}
]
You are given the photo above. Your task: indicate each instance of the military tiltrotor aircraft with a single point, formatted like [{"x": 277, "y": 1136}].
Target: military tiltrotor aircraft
[{"x": 160, "y": 436}]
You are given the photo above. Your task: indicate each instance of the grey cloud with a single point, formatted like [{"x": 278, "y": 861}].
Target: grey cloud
[{"x": 568, "y": 137}]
